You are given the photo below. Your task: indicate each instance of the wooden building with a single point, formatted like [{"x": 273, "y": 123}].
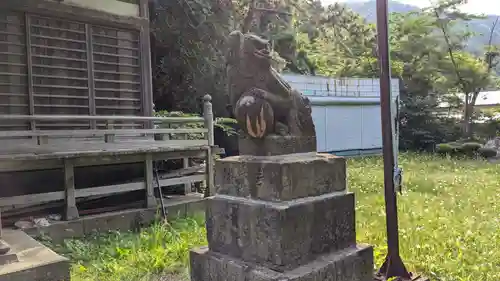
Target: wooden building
[
  {"x": 76, "y": 102},
  {"x": 69, "y": 57}
]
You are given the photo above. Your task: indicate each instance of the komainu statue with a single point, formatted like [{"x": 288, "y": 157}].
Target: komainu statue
[{"x": 261, "y": 101}]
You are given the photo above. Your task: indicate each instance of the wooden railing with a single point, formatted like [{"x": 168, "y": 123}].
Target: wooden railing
[{"x": 66, "y": 149}]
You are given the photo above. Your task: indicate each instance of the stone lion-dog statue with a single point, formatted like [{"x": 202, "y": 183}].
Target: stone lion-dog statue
[{"x": 262, "y": 102}]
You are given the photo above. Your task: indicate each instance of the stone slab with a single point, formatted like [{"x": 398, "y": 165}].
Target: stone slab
[
  {"x": 351, "y": 264},
  {"x": 36, "y": 262},
  {"x": 280, "y": 235},
  {"x": 276, "y": 145},
  {"x": 8, "y": 258},
  {"x": 282, "y": 177}
]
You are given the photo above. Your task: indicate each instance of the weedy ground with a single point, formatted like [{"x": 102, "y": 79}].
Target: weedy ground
[{"x": 449, "y": 220}]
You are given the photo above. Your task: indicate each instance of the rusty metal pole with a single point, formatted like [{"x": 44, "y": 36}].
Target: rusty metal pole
[{"x": 393, "y": 265}]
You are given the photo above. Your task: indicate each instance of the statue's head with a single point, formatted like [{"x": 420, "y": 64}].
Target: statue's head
[{"x": 248, "y": 48}]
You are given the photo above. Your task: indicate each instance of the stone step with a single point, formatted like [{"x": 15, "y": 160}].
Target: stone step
[
  {"x": 35, "y": 261},
  {"x": 280, "y": 235},
  {"x": 351, "y": 264},
  {"x": 280, "y": 177}
]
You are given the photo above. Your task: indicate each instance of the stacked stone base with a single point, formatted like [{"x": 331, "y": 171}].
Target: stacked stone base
[
  {"x": 350, "y": 264},
  {"x": 281, "y": 214}
]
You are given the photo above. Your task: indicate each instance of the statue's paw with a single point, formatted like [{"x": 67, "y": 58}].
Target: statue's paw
[{"x": 255, "y": 116}]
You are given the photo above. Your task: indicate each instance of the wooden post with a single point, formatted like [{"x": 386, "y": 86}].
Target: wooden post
[
  {"x": 185, "y": 164},
  {"x": 109, "y": 137},
  {"x": 29, "y": 66},
  {"x": 146, "y": 70},
  {"x": 90, "y": 69},
  {"x": 209, "y": 124},
  {"x": 148, "y": 181},
  {"x": 69, "y": 189}
]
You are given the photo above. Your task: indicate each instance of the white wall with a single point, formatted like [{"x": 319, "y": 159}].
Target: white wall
[
  {"x": 109, "y": 6},
  {"x": 346, "y": 112}
]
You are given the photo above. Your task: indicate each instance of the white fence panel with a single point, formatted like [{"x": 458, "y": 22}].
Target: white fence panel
[{"x": 346, "y": 112}]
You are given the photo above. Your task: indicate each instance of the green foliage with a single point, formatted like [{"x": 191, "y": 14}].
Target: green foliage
[
  {"x": 222, "y": 123},
  {"x": 226, "y": 125},
  {"x": 459, "y": 149},
  {"x": 159, "y": 250},
  {"x": 188, "y": 40},
  {"x": 488, "y": 129},
  {"x": 445, "y": 149},
  {"x": 447, "y": 224},
  {"x": 470, "y": 148}
]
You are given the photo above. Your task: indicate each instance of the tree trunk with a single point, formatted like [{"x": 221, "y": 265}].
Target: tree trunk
[
  {"x": 468, "y": 112},
  {"x": 470, "y": 102}
]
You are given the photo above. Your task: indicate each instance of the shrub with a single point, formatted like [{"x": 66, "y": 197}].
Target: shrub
[
  {"x": 470, "y": 148},
  {"x": 445, "y": 149},
  {"x": 487, "y": 152}
]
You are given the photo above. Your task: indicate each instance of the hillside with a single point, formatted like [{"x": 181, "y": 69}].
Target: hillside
[{"x": 367, "y": 9}]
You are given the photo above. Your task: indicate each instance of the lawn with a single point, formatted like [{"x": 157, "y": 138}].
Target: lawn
[{"x": 448, "y": 213}]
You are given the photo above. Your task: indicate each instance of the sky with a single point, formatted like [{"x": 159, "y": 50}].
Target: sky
[{"x": 474, "y": 6}]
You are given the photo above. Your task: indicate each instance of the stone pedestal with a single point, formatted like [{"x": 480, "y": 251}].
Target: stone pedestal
[
  {"x": 276, "y": 145},
  {"x": 278, "y": 216}
]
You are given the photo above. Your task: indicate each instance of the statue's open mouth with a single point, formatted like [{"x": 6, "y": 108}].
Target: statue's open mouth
[{"x": 263, "y": 53}]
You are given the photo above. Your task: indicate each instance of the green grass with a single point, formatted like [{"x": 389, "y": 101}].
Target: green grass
[
  {"x": 449, "y": 218},
  {"x": 157, "y": 251},
  {"x": 449, "y": 215}
]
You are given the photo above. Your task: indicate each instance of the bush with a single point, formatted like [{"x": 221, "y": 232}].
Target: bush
[
  {"x": 470, "y": 148},
  {"x": 487, "y": 152},
  {"x": 445, "y": 149}
]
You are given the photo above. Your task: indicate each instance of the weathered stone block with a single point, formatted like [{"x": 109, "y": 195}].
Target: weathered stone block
[
  {"x": 280, "y": 178},
  {"x": 280, "y": 235},
  {"x": 352, "y": 264},
  {"x": 36, "y": 262},
  {"x": 276, "y": 145}
]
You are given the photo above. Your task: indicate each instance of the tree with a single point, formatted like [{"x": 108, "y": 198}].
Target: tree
[
  {"x": 416, "y": 55},
  {"x": 468, "y": 75},
  {"x": 188, "y": 40},
  {"x": 337, "y": 41}
]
